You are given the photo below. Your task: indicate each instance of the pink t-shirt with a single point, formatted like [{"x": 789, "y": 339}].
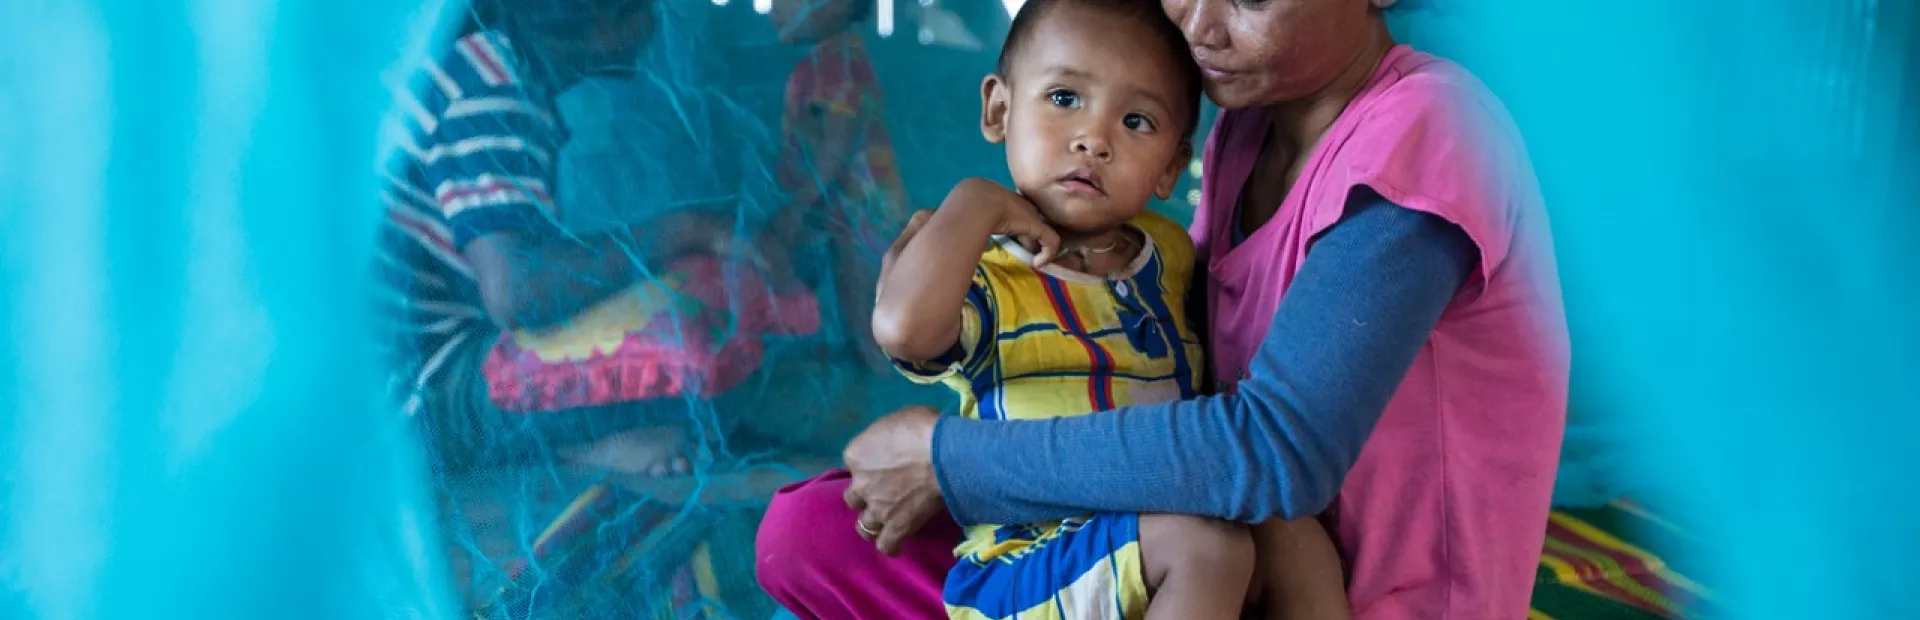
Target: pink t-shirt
[{"x": 1444, "y": 514}]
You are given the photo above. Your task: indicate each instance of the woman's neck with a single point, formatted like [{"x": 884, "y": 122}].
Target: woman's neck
[{"x": 1298, "y": 124}]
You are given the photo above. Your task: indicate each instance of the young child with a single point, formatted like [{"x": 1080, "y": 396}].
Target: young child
[{"x": 1077, "y": 306}]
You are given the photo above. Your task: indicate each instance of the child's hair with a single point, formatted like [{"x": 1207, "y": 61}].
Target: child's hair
[{"x": 1146, "y": 12}]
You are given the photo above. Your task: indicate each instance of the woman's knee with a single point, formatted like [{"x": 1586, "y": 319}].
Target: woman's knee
[{"x": 792, "y": 543}]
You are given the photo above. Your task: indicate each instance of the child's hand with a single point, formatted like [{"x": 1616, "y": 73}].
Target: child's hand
[{"x": 1015, "y": 217}]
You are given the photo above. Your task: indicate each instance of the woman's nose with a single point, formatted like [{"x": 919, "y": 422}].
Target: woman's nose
[{"x": 1200, "y": 20}]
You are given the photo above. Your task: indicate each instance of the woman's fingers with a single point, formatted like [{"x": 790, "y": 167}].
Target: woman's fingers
[
  {"x": 853, "y": 497},
  {"x": 891, "y": 464},
  {"x": 871, "y": 525},
  {"x": 899, "y": 525}
]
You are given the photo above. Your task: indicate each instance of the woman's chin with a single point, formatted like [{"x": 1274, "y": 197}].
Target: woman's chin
[{"x": 1235, "y": 95}]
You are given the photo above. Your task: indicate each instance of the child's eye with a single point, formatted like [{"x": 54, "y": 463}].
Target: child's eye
[
  {"x": 1064, "y": 98},
  {"x": 1138, "y": 122}
]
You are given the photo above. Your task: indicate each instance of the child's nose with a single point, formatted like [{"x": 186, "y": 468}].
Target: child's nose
[{"x": 1094, "y": 144}]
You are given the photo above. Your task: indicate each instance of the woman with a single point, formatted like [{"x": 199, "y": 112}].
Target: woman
[{"x": 1410, "y": 388}]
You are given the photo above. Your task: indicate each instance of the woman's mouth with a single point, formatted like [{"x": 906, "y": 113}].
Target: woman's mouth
[{"x": 1214, "y": 73}]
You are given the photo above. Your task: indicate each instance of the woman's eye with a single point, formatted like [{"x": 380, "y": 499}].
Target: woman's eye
[
  {"x": 1138, "y": 122},
  {"x": 1064, "y": 98}
]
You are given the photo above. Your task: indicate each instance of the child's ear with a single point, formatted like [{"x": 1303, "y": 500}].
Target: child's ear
[
  {"x": 1181, "y": 160},
  {"x": 993, "y": 108}
]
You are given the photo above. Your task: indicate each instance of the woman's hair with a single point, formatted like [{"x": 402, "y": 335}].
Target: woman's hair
[{"x": 1146, "y": 12}]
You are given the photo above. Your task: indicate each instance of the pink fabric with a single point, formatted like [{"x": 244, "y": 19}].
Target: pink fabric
[
  {"x": 677, "y": 353},
  {"x": 813, "y": 562},
  {"x": 1444, "y": 515}
]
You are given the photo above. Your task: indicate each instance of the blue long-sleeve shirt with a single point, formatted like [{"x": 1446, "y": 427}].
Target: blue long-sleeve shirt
[{"x": 1363, "y": 303}]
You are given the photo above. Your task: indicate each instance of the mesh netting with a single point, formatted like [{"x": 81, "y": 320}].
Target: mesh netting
[{"x": 691, "y": 242}]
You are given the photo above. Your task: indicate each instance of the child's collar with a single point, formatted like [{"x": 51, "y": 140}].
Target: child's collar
[{"x": 1134, "y": 268}]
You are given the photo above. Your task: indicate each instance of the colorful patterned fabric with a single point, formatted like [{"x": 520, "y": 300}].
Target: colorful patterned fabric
[
  {"x": 1605, "y": 564},
  {"x": 1052, "y": 342},
  {"x": 695, "y": 332},
  {"x": 1049, "y": 342},
  {"x": 1085, "y": 568},
  {"x": 836, "y": 79}
]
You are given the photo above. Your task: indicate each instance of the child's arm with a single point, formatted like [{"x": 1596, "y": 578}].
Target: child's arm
[{"x": 917, "y": 315}]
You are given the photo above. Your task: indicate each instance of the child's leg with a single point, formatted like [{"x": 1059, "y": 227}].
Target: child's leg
[
  {"x": 1298, "y": 575},
  {"x": 1196, "y": 568}
]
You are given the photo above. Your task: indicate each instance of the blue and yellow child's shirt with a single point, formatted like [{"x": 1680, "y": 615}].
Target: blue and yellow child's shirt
[{"x": 1051, "y": 342}]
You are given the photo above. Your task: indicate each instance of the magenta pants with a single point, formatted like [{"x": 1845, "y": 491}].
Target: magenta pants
[{"x": 812, "y": 560}]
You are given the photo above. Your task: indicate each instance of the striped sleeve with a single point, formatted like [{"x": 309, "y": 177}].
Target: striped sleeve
[
  {"x": 977, "y": 335},
  {"x": 488, "y": 159}
]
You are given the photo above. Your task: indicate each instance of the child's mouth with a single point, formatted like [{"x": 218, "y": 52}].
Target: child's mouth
[{"x": 1084, "y": 182}]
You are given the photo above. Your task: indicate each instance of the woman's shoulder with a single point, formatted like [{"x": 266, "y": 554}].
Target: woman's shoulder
[
  {"x": 1429, "y": 135},
  {"x": 1430, "y": 117},
  {"x": 1417, "y": 91}
]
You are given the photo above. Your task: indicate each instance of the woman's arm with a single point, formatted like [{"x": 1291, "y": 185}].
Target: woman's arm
[{"x": 1364, "y": 303}]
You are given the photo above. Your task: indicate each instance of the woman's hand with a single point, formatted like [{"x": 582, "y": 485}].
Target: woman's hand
[{"x": 893, "y": 483}]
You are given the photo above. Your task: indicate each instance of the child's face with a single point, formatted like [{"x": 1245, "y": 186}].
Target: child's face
[{"x": 1093, "y": 116}]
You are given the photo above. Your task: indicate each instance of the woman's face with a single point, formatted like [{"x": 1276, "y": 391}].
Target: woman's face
[{"x": 1264, "y": 52}]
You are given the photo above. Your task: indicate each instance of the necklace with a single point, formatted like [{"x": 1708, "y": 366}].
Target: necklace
[{"x": 1084, "y": 251}]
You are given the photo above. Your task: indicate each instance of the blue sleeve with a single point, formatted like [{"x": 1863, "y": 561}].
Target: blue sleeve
[{"x": 1363, "y": 304}]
